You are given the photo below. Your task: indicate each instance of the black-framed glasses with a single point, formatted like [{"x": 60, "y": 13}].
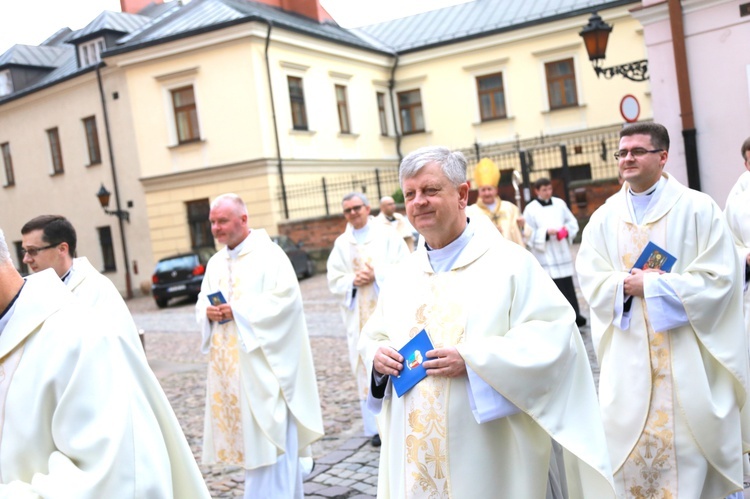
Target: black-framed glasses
[
  {"x": 32, "y": 252},
  {"x": 637, "y": 152},
  {"x": 353, "y": 209}
]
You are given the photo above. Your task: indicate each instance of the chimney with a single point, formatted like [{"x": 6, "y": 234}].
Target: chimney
[
  {"x": 135, "y": 6},
  {"x": 308, "y": 8}
]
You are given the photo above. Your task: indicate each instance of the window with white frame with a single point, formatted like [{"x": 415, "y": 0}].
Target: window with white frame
[
  {"x": 410, "y": 111},
  {"x": 561, "y": 83},
  {"x": 185, "y": 114},
  {"x": 90, "y": 52},
  {"x": 6, "y": 83}
]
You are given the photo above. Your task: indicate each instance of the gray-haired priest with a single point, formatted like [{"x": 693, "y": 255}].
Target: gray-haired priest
[
  {"x": 81, "y": 413},
  {"x": 507, "y": 372}
]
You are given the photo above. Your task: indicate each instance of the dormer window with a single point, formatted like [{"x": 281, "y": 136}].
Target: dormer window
[
  {"x": 89, "y": 52},
  {"x": 6, "y": 84}
]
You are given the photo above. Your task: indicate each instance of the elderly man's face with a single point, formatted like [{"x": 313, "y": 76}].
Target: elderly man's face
[
  {"x": 388, "y": 207},
  {"x": 487, "y": 194},
  {"x": 435, "y": 207},
  {"x": 356, "y": 212},
  {"x": 228, "y": 226}
]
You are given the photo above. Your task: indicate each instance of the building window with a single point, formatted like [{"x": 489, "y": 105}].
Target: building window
[
  {"x": 491, "y": 96},
  {"x": 297, "y": 99},
  {"x": 90, "y": 52},
  {"x": 343, "y": 108},
  {"x": 92, "y": 140},
  {"x": 23, "y": 269},
  {"x": 381, "y": 114},
  {"x": 200, "y": 227},
  {"x": 6, "y": 83},
  {"x": 561, "y": 84},
  {"x": 410, "y": 110},
  {"x": 108, "y": 250},
  {"x": 10, "y": 179},
  {"x": 54, "y": 146},
  {"x": 185, "y": 115}
]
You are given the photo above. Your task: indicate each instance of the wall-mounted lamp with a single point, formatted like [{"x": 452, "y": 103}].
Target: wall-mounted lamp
[
  {"x": 103, "y": 196},
  {"x": 595, "y": 35}
]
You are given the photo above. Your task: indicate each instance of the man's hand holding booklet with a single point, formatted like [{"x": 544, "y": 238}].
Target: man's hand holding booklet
[{"x": 414, "y": 354}]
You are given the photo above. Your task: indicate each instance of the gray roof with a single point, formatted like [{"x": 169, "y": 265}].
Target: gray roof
[
  {"x": 31, "y": 55},
  {"x": 119, "y": 22},
  {"x": 205, "y": 15},
  {"x": 476, "y": 18}
]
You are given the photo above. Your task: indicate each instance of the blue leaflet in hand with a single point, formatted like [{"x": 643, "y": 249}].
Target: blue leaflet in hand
[
  {"x": 217, "y": 299},
  {"x": 414, "y": 353},
  {"x": 654, "y": 257}
]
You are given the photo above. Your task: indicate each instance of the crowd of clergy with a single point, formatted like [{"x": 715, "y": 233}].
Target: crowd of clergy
[{"x": 507, "y": 405}]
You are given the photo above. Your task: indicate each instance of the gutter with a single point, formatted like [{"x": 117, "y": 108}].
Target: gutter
[{"x": 391, "y": 86}]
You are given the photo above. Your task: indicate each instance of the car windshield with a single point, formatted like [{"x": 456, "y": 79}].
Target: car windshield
[{"x": 183, "y": 262}]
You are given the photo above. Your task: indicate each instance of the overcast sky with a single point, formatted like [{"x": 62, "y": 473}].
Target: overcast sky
[{"x": 30, "y": 22}]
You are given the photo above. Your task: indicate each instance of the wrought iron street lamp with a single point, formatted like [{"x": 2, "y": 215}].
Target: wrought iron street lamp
[
  {"x": 103, "y": 196},
  {"x": 595, "y": 36}
]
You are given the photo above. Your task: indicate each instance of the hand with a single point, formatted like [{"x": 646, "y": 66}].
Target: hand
[
  {"x": 552, "y": 232},
  {"x": 747, "y": 260},
  {"x": 219, "y": 313},
  {"x": 388, "y": 361},
  {"x": 633, "y": 284},
  {"x": 445, "y": 362},
  {"x": 521, "y": 222},
  {"x": 365, "y": 276}
]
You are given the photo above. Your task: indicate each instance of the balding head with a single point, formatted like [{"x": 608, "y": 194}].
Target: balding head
[{"x": 387, "y": 206}]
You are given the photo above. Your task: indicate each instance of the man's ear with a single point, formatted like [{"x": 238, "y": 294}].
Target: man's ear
[
  {"x": 463, "y": 194},
  {"x": 63, "y": 247}
]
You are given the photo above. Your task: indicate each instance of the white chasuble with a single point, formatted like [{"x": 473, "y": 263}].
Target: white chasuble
[
  {"x": 260, "y": 363},
  {"x": 516, "y": 331},
  {"x": 670, "y": 400}
]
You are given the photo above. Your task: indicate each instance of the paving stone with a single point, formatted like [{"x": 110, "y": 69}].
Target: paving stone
[
  {"x": 334, "y": 457},
  {"x": 332, "y": 492},
  {"x": 312, "y": 487}
]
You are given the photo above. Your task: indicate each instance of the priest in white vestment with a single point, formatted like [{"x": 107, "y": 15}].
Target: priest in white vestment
[
  {"x": 671, "y": 345},
  {"x": 262, "y": 404},
  {"x": 389, "y": 216},
  {"x": 508, "y": 372},
  {"x": 359, "y": 262},
  {"x": 81, "y": 413},
  {"x": 49, "y": 241}
]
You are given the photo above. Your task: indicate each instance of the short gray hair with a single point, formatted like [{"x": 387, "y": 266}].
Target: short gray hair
[
  {"x": 234, "y": 198},
  {"x": 358, "y": 195},
  {"x": 4, "y": 253},
  {"x": 453, "y": 164}
]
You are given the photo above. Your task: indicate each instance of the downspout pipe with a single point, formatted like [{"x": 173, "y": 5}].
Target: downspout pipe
[
  {"x": 128, "y": 283},
  {"x": 685, "y": 95},
  {"x": 279, "y": 164},
  {"x": 391, "y": 87}
]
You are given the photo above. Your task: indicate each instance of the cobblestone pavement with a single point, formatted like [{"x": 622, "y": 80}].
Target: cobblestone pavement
[{"x": 346, "y": 466}]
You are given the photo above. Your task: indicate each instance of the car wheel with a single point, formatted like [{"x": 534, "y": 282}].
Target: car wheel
[
  {"x": 161, "y": 302},
  {"x": 310, "y": 271}
]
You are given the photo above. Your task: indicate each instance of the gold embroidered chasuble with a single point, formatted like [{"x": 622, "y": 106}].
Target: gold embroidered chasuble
[
  {"x": 260, "y": 363},
  {"x": 671, "y": 399},
  {"x": 382, "y": 248},
  {"x": 505, "y": 217},
  {"x": 526, "y": 348}
]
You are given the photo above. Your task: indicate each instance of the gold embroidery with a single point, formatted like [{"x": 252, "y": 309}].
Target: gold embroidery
[
  {"x": 427, "y": 469},
  {"x": 650, "y": 472}
]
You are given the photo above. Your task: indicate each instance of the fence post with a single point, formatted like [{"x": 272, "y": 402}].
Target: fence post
[
  {"x": 377, "y": 182},
  {"x": 525, "y": 176},
  {"x": 565, "y": 172},
  {"x": 477, "y": 150},
  {"x": 325, "y": 195}
]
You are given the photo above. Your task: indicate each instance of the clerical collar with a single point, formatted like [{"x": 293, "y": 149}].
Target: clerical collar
[
  {"x": 64, "y": 278},
  {"x": 8, "y": 312},
  {"x": 647, "y": 192},
  {"x": 235, "y": 252},
  {"x": 390, "y": 219},
  {"x": 442, "y": 259},
  {"x": 360, "y": 235},
  {"x": 543, "y": 202}
]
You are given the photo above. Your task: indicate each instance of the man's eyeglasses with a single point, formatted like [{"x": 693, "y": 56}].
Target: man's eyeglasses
[
  {"x": 32, "y": 252},
  {"x": 353, "y": 209},
  {"x": 637, "y": 152}
]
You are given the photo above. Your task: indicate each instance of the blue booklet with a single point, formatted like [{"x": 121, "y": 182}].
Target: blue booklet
[
  {"x": 217, "y": 299},
  {"x": 414, "y": 353},
  {"x": 654, "y": 257}
]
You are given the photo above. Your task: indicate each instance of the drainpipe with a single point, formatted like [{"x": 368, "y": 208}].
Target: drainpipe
[
  {"x": 391, "y": 85},
  {"x": 683, "y": 89},
  {"x": 279, "y": 165},
  {"x": 128, "y": 285}
]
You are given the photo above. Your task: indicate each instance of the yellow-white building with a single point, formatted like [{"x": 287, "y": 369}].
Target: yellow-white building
[{"x": 239, "y": 96}]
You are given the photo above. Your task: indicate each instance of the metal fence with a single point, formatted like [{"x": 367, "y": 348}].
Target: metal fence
[{"x": 572, "y": 159}]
